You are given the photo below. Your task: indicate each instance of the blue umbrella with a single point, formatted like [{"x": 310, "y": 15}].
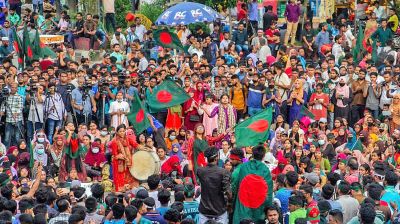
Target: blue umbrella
[{"x": 186, "y": 13}]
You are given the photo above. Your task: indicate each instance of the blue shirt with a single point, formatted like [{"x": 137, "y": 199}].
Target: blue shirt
[
  {"x": 115, "y": 221},
  {"x": 154, "y": 217},
  {"x": 191, "y": 210},
  {"x": 391, "y": 195},
  {"x": 253, "y": 11},
  {"x": 283, "y": 195},
  {"x": 77, "y": 96},
  {"x": 162, "y": 210},
  {"x": 321, "y": 39}
]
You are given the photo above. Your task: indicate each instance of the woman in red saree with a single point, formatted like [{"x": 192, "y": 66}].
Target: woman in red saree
[
  {"x": 197, "y": 144},
  {"x": 122, "y": 149}
]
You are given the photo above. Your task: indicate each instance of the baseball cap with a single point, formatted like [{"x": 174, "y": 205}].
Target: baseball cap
[
  {"x": 149, "y": 202},
  {"x": 313, "y": 178}
]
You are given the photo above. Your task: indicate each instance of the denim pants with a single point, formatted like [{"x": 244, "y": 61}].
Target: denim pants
[
  {"x": 219, "y": 219},
  {"x": 51, "y": 126},
  {"x": 12, "y": 133},
  {"x": 40, "y": 7},
  {"x": 110, "y": 21},
  {"x": 243, "y": 48},
  {"x": 30, "y": 130},
  {"x": 101, "y": 35}
]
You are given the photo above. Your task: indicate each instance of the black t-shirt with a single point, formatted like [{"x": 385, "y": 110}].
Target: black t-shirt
[
  {"x": 79, "y": 26},
  {"x": 308, "y": 34}
]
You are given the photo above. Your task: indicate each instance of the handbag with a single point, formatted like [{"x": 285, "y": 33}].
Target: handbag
[{"x": 194, "y": 118}]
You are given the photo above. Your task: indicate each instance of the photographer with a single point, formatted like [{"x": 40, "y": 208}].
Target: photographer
[
  {"x": 104, "y": 96},
  {"x": 83, "y": 102},
  {"x": 12, "y": 107},
  {"x": 54, "y": 110},
  {"x": 35, "y": 117}
]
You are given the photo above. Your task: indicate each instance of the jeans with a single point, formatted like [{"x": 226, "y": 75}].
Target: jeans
[
  {"x": 12, "y": 133},
  {"x": 219, "y": 219},
  {"x": 356, "y": 113},
  {"x": 71, "y": 39},
  {"x": 252, "y": 110},
  {"x": 92, "y": 38},
  {"x": 17, "y": 8},
  {"x": 375, "y": 113},
  {"x": 38, "y": 6},
  {"x": 30, "y": 130},
  {"x": 102, "y": 36},
  {"x": 242, "y": 47},
  {"x": 110, "y": 20},
  {"x": 291, "y": 31},
  {"x": 51, "y": 126}
]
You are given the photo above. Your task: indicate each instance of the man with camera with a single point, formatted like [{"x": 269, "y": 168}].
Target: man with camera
[
  {"x": 12, "y": 107},
  {"x": 36, "y": 99},
  {"x": 83, "y": 102},
  {"x": 104, "y": 96},
  {"x": 54, "y": 110}
]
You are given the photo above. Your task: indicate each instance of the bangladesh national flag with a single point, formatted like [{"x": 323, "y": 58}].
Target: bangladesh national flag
[
  {"x": 27, "y": 45},
  {"x": 137, "y": 116},
  {"x": 18, "y": 49},
  {"x": 358, "y": 49},
  {"x": 168, "y": 39},
  {"x": 253, "y": 191},
  {"x": 40, "y": 50},
  {"x": 306, "y": 112},
  {"x": 166, "y": 95},
  {"x": 254, "y": 130}
]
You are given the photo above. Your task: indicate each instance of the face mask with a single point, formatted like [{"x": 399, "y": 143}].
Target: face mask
[
  {"x": 386, "y": 113},
  {"x": 95, "y": 150},
  {"x": 41, "y": 140},
  {"x": 119, "y": 100},
  {"x": 40, "y": 151},
  {"x": 103, "y": 133},
  {"x": 321, "y": 142},
  {"x": 310, "y": 139},
  {"x": 342, "y": 84},
  {"x": 172, "y": 138}
]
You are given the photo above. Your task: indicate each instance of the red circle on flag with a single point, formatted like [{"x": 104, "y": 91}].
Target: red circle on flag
[
  {"x": 140, "y": 116},
  {"x": 253, "y": 191},
  {"x": 20, "y": 61},
  {"x": 165, "y": 37},
  {"x": 164, "y": 96},
  {"x": 259, "y": 126}
]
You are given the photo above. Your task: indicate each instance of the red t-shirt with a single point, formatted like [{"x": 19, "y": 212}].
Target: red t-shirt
[
  {"x": 270, "y": 33},
  {"x": 242, "y": 14}
]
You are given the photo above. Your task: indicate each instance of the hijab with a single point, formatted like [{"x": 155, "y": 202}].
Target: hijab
[
  {"x": 172, "y": 164},
  {"x": 179, "y": 153},
  {"x": 95, "y": 157},
  {"x": 299, "y": 91},
  {"x": 342, "y": 90}
]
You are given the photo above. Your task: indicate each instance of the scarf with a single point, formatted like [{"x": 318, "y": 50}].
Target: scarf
[
  {"x": 172, "y": 164},
  {"x": 92, "y": 158},
  {"x": 299, "y": 91},
  {"x": 395, "y": 109},
  {"x": 222, "y": 118},
  {"x": 344, "y": 91},
  {"x": 179, "y": 153}
]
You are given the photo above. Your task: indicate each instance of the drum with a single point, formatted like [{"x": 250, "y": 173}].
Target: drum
[{"x": 144, "y": 165}]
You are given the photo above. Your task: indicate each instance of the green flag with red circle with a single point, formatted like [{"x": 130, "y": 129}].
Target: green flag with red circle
[
  {"x": 168, "y": 39},
  {"x": 252, "y": 188},
  {"x": 27, "y": 45},
  {"x": 137, "y": 116},
  {"x": 18, "y": 49},
  {"x": 254, "y": 130},
  {"x": 166, "y": 95}
]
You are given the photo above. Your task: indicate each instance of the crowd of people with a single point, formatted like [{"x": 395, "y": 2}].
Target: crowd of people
[{"x": 332, "y": 154}]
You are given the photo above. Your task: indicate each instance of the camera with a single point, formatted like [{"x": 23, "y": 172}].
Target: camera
[
  {"x": 103, "y": 85},
  {"x": 70, "y": 87},
  {"x": 4, "y": 92}
]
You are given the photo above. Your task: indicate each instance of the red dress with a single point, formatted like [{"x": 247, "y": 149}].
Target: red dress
[{"x": 122, "y": 176}]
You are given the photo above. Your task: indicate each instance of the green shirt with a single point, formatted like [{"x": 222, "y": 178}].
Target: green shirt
[
  {"x": 14, "y": 19},
  {"x": 299, "y": 213},
  {"x": 120, "y": 58},
  {"x": 383, "y": 35}
]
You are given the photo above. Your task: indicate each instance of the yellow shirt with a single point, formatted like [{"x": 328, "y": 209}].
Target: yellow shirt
[{"x": 395, "y": 20}]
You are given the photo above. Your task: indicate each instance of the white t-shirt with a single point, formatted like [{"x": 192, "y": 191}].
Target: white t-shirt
[
  {"x": 140, "y": 31},
  {"x": 282, "y": 79}
]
